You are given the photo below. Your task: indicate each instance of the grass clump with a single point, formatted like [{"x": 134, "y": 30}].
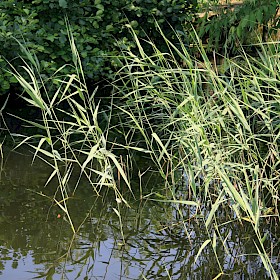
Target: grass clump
[
  {"x": 218, "y": 125},
  {"x": 68, "y": 132},
  {"x": 214, "y": 128}
]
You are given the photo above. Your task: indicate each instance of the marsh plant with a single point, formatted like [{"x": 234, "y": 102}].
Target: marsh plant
[
  {"x": 216, "y": 124},
  {"x": 68, "y": 133},
  {"x": 211, "y": 130}
]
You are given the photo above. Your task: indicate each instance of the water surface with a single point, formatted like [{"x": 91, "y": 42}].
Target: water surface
[{"x": 36, "y": 240}]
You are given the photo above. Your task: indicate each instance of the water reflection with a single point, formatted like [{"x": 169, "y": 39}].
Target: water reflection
[{"x": 36, "y": 240}]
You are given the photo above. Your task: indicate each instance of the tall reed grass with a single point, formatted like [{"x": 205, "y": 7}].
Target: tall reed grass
[
  {"x": 216, "y": 125},
  {"x": 68, "y": 132}
]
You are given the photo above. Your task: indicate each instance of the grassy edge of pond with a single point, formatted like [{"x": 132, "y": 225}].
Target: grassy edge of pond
[{"x": 218, "y": 125}]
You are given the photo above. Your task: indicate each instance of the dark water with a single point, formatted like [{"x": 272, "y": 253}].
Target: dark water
[{"x": 36, "y": 240}]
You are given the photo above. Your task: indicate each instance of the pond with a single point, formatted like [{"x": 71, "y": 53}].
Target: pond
[{"x": 158, "y": 241}]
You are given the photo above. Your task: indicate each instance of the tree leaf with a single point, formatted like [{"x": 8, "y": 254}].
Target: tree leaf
[{"x": 63, "y": 4}]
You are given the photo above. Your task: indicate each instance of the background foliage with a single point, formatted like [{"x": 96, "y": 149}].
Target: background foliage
[
  {"x": 99, "y": 28},
  {"x": 234, "y": 25}
]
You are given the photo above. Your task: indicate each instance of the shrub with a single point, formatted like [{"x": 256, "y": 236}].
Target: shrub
[
  {"x": 236, "y": 24},
  {"x": 98, "y": 28}
]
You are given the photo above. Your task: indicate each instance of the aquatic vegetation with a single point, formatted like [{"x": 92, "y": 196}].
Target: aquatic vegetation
[
  {"x": 216, "y": 124},
  {"x": 68, "y": 133},
  {"x": 211, "y": 130}
]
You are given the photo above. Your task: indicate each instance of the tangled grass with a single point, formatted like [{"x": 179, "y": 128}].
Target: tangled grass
[{"x": 216, "y": 125}]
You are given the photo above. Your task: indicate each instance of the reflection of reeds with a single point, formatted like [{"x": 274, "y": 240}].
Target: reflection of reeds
[{"x": 217, "y": 126}]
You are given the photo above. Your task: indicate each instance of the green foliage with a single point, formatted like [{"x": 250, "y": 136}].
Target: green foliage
[
  {"x": 219, "y": 128},
  {"x": 235, "y": 25},
  {"x": 99, "y": 27}
]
